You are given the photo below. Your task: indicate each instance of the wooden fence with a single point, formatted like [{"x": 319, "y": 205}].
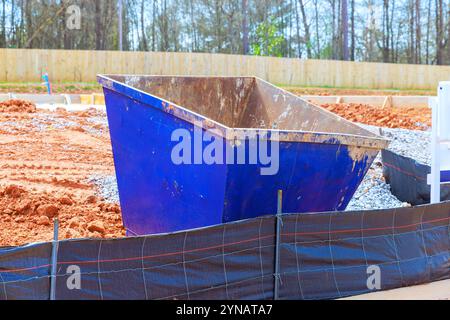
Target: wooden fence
[{"x": 27, "y": 65}]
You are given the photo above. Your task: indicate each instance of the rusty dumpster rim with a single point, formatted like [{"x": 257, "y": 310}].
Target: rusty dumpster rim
[{"x": 219, "y": 129}]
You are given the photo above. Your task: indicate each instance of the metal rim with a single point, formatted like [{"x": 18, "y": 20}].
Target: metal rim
[{"x": 228, "y": 133}]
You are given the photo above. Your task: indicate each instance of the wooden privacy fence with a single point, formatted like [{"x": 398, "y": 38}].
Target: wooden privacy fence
[{"x": 27, "y": 65}]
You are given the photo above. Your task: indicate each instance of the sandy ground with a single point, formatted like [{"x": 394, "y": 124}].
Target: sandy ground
[
  {"x": 432, "y": 291},
  {"x": 46, "y": 159}
]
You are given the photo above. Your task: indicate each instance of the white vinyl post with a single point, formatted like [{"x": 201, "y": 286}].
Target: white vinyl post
[
  {"x": 444, "y": 111},
  {"x": 440, "y": 143}
]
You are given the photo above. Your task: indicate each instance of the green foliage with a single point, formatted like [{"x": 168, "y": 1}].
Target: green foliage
[
  {"x": 268, "y": 39},
  {"x": 327, "y": 52}
]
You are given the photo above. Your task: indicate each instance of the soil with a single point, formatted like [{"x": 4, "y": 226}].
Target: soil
[
  {"x": 405, "y": 118},
  {"x": 17, "y": 106},
  {"x": 46, "y": 159}
]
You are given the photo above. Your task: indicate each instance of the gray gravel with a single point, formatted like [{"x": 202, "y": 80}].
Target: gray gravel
[
  {"x": 98, "y": 120},
  {"x": 103, "y": 120},
  {"x": 106, "y": 187},
  {"x": 40, "y": 122},
  {"x": 412, "y": 144},
  {"x": 373, "y": 192},
  {"x": 408, "y": 143}
]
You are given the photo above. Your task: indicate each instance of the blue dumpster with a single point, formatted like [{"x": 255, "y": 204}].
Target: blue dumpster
[{"x": 197, "y": 151}]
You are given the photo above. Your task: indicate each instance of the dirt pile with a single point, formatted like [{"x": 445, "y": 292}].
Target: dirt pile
[
  {"x": 46, "y": 160},
  {"x": 27, "y": 216},
  {"x": 17, "y": 106},
  {"x": 405, "y": 118}
]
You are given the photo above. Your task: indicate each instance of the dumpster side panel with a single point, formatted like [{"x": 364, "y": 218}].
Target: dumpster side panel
[
  {"x": 314, "y": 178},
  {"x": 156, "y": 195}
]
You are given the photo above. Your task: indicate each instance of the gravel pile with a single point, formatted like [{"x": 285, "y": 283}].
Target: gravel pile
[
  {"x": 408, "y": 143},
  {"x": 374, "y": 192},
  {"x": 412, "y": 144}
]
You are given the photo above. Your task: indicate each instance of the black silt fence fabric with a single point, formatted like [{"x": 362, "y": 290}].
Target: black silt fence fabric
[
  {"x": 408, "y": 179},
  {"x": 322, "y": 256},
  {"x": 231, "y": 261},
  {"x": 25, "y": 272},
  {"x": 328, "y": 256}
]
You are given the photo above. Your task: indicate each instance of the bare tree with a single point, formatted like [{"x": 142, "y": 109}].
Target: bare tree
[
  {"x": 306, "y": 28},
  {"x": 316, "y": 19},
  {"x": 402, "y": 31},
  {"x": 418, "y": 28},
  {"x": 245, "y": 43},
  {"x": 385, "y": 47},
  {"x": 98, "y": 26},
  {"x": 297, "y": 28},
  {"x": 427, "y": 41},
  {"x": 352, "y": 32},
  {"x": 3, "y": 35},
  {"x": 144, "y": 36},
  {"x": 344, "y": 29},
  {"x": 440, "y": 42}
]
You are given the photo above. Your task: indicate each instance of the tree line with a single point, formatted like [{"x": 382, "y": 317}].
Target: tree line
[{"x": 397, "y": 31}]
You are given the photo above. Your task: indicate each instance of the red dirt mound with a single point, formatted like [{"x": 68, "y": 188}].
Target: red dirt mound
[
  {"x": 45, "y": 165},
  {"x": 406, "y": 118},
  {"x": 17, "y": 106},
  {"x": 27, "y": 216}
]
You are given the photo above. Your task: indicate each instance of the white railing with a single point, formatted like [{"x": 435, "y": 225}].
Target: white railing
[{"x": 440, "y": 145}]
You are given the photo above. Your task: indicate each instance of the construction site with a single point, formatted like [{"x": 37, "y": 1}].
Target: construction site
[
  {"x": 73, "y": 178},
  {"x": 138, "y": 174},
  {"x": 57, "y": 163}
]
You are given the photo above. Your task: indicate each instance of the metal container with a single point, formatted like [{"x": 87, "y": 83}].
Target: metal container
[{"x": 317, "y": 158}]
